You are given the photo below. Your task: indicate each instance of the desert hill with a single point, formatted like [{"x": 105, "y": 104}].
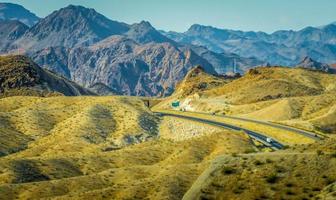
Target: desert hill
[
  {"x": 21, "y": 76},
  {"x": 197, "y": 80},
  {"x": 288, "y": 174},
  {"x": 103, "y": 147},
  {"x": 294, "y": 96},
  {"x": 266, "y": 83}
]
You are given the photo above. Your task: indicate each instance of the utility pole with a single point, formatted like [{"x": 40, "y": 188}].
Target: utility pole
[{"x": 234, "y": 66}]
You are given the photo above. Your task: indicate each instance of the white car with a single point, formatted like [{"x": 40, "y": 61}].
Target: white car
[{"x": 269, "y": 140}]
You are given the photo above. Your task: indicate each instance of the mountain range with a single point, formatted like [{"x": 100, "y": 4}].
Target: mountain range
[
  {"x": 90, "y": 49},
  {"x": 284, "y": 47},
  {"x": 136, "y": 59}
]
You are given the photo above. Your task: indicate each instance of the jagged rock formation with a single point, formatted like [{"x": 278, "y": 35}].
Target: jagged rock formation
[{"x": 309, "y": 63}]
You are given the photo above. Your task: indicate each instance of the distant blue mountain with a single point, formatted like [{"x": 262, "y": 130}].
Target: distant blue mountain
[
  {"x": 279, "y": 48},
  {"x": 10, "y": 11}
]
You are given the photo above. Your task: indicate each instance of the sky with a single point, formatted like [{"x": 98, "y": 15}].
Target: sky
[{"x": 179, "y": 15}]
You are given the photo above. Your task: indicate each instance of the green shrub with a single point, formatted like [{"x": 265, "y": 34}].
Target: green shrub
[
  {"x": 333, "y": 155},
  {"x": 272, "y": 178},
  {"x": 319, "y": 152},
  {"x": 228, "y": 170},
  {"x": 258, "y": 162},
  {"x": 289, "y": 184}
]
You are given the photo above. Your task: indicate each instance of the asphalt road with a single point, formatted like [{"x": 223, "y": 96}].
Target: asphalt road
[
  {"x": 258, "y": 136},
  {"x": 311, "y": 135}
]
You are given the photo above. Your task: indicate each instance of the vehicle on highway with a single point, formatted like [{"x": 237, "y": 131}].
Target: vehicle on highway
[{"x": 269, "y": 140}]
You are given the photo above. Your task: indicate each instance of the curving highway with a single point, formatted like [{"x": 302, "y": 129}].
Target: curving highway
[
  {"x": 255, "y": 135},
  {"x": 309, "y": 134}
]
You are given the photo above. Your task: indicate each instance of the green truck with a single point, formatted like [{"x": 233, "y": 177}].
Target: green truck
[{"x": 175, "y": 104}]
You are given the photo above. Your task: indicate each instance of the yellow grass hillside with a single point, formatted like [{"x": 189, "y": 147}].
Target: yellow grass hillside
[
  {"x": 293, "y": 96},
  {"x": 103, "y": 148},
  {"x": 266, "y": 83},
  {"x": 197, "y": 80},
  {"x": 93, "y": 122},
  {"x": 303, "y": 172}
]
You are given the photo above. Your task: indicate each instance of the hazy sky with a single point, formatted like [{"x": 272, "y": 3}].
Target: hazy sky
[{"x": 178, "y": 15}]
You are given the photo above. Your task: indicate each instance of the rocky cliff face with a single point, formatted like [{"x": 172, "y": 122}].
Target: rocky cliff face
[
  {"x": 54, "y": 59},
  {"x": 126, "y": 66}
]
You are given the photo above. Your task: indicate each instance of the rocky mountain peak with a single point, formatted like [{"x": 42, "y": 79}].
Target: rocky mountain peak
[
  {"x": 196, "y": 27},
  {"x": 203, "y": 28},
  {"x": 72, "y": 17},
  {"x": 307, "y": 60},
  {"x": 309, "y": 63},
  {"x": 71, "y": 26},
  {"x": 76, "y": 11},
  {"x": 144, "y": 32},
  {"x": 145, "y": 24}
]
